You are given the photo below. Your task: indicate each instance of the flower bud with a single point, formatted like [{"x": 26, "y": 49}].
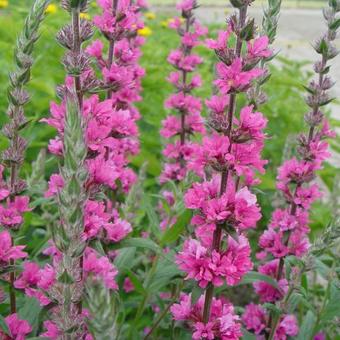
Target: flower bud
[{"x": 76, "y": 63}]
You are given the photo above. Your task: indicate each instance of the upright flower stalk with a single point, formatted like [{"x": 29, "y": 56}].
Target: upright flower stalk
[
  {"x": 68, "y": 235},
  {"x": 188, "y": 107},
  {"x": 13, "y": 203},
  {"x": 287, "y": 233},
  {"x": 227, "y": 161},
  {"x": 94, "y": 139}
]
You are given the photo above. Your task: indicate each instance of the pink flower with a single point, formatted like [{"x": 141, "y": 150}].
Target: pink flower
[
  {"x": 203, "y": 267},
  {"x": 55, "y": 184},
  {"x": 267, "y": 292},
  {"x": 52, "y": 331},
  {"x": 254, "y": 318},
  {"x": 223, "y": 323},
  {"x": 103, "y": 171},
  {"x": 7, "y": 251},
  {"x": 295, "y": 171},
  {"x": 47, "y": 277},
  {"x": 218, "y": 104},
  {"x": 247, "y": 212},
  {"x": 320, "y": 336},
  {"x": 288, "y": 327},
  {"x": 203, "y": 331},
  {"x": 306, "y": 196},
  {"x": 19, "y": 329},
  {"x": 95, "y": 49},
  {"x": 222, "y": 41},
  {"x": 182, "y": 310},
  {"x": 251, "y": 124},
  {"x": 118, "y": 230},
  {"x": 258, "y": 48},
  {"x": 186, "y": 5},
  {"x": 183, "y": 62},
  {"x": 29, "y": 276},
  {"x": 233, "y": 78},
  {"x": 185, "y": 103},
  {"x": 4, "y": 192},
  {"x": 128, "y": 285},
  {"x": 101, "y": 268}
]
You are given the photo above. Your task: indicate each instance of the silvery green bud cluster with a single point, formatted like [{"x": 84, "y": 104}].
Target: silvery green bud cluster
[
  {"x": 80, "y": 5},
  {"x": 271, "y": 18},
  {"x": 67, "y": 235},
  {"x": 256, "y": 96},
  {"x": 17, "y": 95},
  {"x": 102, "y": 305},
  {"x": 65, "y": 36}
]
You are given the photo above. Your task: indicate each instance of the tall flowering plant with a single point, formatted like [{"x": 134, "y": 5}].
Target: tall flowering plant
[
  {"x": 180, "y": 129},
  {"x": 188, "y": 121},
  {"x": 287, "y": 233},
  {"x": 95, "y": 137},
  {"x": 14, "y": 202},
  {"x": 227, "y": 161}
]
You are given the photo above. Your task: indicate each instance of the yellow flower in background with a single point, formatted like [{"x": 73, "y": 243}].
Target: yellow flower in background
[
  {"x": 3, "y": 3},
  {"x": 85, "y": 16},
  {"x": 170, "y": 20},
  {"x": 145, "y": 32},
  {"x": 150, "y": 15},
  {"x": 165, "y": 23},
  {"x": 94, "y": 4},
  {"x": 51, "y": 9}
]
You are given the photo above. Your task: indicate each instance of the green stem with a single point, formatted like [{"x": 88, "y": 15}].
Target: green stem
[{"x": 165, "y": 311}]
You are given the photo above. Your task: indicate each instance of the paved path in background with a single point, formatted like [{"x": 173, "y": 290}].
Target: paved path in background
[{"x": 298, "y": 28}]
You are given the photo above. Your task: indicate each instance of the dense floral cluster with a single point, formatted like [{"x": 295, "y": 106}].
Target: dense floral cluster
[
  {"x": 255, "y": 318},
  {"x": 227, "y": 160},
  {"x": 188, "y": 120},
  {"x": 222, "y": 324},
  {"x": 111, "y": 136},
  {"x": 287, "y": 233}
]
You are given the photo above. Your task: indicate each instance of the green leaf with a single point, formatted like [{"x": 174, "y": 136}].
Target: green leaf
[
  {"x": 273, "y": 308},
  {"x": 136, "y": 282},
  {"x": 332, "y": 308},
  {"x": 65, "y": 277},
  {"x": 173, "y": 233},
  {"x": 139, "y": 242},
  {"x": 3, "y": 325},
  {"x": 152, "y": 216},
  {"x": 164, "y": 274},
  {"x": 30, "y": 312},
  {"x": 252, "y": 277},
  {"x": 125, "y": 258},
  {"x": 335, "y": 24},
  {"x": 247, "y": 335},
  {"x": 307, "y": 327}
]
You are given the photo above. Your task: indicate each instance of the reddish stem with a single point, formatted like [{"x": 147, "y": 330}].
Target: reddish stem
[
  {"x": 112, "y": 45},
  {"x": 217, "y": 237}
]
